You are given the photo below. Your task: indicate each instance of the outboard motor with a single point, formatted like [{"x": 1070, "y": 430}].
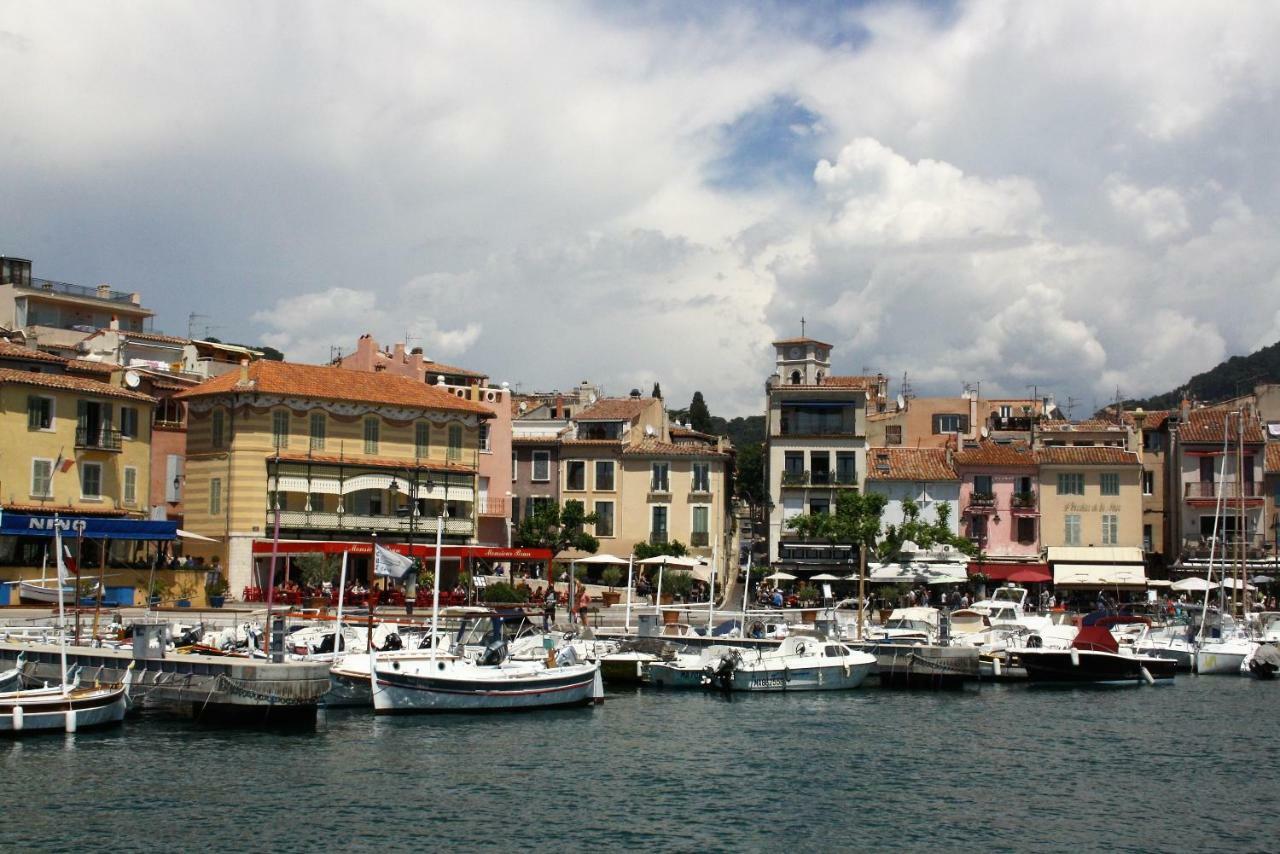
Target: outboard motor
[
  {"x": 495, "y": 652},
  {"x": 392, "y": 643},
  {"x": 720, "y": 674},
  {"x": 566, "y": 656}
]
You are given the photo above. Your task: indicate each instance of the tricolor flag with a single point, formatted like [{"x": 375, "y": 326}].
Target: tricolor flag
[
  {"x": 66, "y": 564},
  {"x": 62, "y": 465},
  {"x": 389, "y": 564}
]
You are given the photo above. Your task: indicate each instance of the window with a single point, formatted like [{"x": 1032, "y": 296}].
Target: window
[
  {"x": 371, "y": 434},
  {"x": 978, "y": 527},
  {"x": 317, "y": 431},
  {"x": 793, "y": 463},
  {"x": 42, "y": 478},
  {"x": 128, "y": 422},
  {"x": 701, "y": 519},
  {"x": 575, "y": 475},
  {"x": 660, "y": 477},
  {"x": 982, "y": 484},
  {"x": 215, "y": 496},
  {"x": 819, "y": 507},
  {"x": 846, "y": 468},
  {"x": 1110, "y": 529},
  {"x": 1150, "y": 441},
  {"x": 130, "y": 485},
  {"x": 280, "y": 428},
  {"x": 422, "y": 443},
  {"x": 950, "y": 423},
  {"x": 455, "y": 442},
  {"x": 515, "y": 466},
  {"x": 515, "y": 510},
  {"x": 1006, "y": 411},
  {"x": 893, "y": 434},
  {"x": 1146, "y": 538},
  {"x": 39, "y": 412},
  {"x": 817, "y": 419},
  {"x": 1026, "y": 530},
  {"x": 217, "y": 434},
  {"x": 484, "y": 438},
  {"x": 604, "y": 475},
  {"x": 1071, "y": 484},
  {"x": 1110, "y": 483},
  {"x": 702, "y": 477},
  {"x": 604, "y": 518},
  {"x": 541, "y": 466},
  {"x": 91, "y": 480},
  {"x": 1071, "y": 531},
  {"x": 1148, "y": 482},
  {"x": 658, "y": 526}
]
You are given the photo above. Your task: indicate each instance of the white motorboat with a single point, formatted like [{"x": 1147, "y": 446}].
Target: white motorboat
[
  {"x": 905, "y": 625},
  {"x": 1224, "y": 656},
  {"x": 67, "y": 707},
  {"x": 797, "y": 664},
  {"x": 1007, "y": 606}
]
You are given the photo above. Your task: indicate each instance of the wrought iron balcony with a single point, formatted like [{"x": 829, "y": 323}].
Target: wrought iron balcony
[
  {"x": 329, "y": 521},
  {"x": 699, "y": 539},
  {"x": 99, "y": 439},
  {"x": 657, "y": 538},
  {"x": 1023, "y": 501},
  {"x": 1222, "y": 489},
  {"x": 795, "y": 478}
]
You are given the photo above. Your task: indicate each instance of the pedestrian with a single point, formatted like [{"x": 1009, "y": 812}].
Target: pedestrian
[
  {"x": 549, "y": 609},
  {"x": 584, "y": 602}
]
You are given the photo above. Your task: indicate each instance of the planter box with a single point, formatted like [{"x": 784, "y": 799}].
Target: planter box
[
  {"x": 217, "y": 601},
  {"x": 608, "y": 598},
  {"x": 808, "y": 615},
  {"x": 184, "y": 603},
  {"x": 670, "y": 616}
]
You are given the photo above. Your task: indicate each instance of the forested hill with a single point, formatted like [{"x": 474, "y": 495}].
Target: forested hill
[{"x": 1237, "y": 375}]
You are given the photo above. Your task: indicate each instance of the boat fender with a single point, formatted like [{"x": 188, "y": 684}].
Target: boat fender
[
  {"x": 848, "y": 671},
  {"x": 71, "y": 720},
  {"x": 17, "y": 718},
  {"x": 1075, "y": 657},
  {"x": 995, "y": 666},
  {"x": 1147, "y": 677}
]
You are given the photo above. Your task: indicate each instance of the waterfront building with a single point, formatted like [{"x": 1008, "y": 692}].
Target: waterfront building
[
  {"x": 1000, "y": 506},
  {"x": 1090, "y": 496},
  {"x": 329, "y": 454},
  {"x": 1152, "y": 438},
  {"x": 938, "y": 422},
  {"x": 815, "y": 444},
  {"x": 56, "y": 316},
  {"x": 1273, "y": 495},
  {"x": 494, "y": 473},
  {"x": 923, "y": 475},
  {"x": 1203, "y": 474}
]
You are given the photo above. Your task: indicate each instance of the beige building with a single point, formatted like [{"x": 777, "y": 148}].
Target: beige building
[
  {"x": 1090, "y": 496},
  {"x": 55, "y": 315},
  {"x": 342, "y": 455}
]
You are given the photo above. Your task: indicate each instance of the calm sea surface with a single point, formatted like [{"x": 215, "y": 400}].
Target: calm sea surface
[{"x": 1190, "y": 767}]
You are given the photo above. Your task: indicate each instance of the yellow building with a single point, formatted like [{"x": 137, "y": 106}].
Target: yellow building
[
  {"x": 1090, "y": 496},
  {"x": 72, "y": 446},
  {"x": 647, "y": 481},
  {"x": 341, "y": 455}
]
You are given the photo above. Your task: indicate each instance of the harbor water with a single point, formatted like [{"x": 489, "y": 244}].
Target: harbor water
[{"x": 1193, "y": 767}]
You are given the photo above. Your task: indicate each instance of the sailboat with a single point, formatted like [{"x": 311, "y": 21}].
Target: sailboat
[
  {"x": 68, "y": 705},
  {"x": 440, "y": 684}
]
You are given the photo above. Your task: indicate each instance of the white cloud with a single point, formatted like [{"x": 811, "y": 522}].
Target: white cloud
[{"x": 1158, "y": 211}]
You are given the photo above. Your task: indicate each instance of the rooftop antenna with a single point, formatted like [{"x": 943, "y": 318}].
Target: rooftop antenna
[
  {"x": 801, "y": 326},
  {"x": 1072, "y": 403},
  {"x": 191, "y": 323},
  {"x": 907, "y": 392},
  {"x": 335, "y": 354}
]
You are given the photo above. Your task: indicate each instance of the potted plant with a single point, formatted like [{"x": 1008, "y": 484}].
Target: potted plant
[
  {"x": 808, "y": 596},
  {"x": 155, "y": 593},
  {"x": 215, "y": 591},
  {"x": 464, "y": 579},
  {"x": 611, "y": 576},
  {"x": 186, "y": 590},
  {"x": 86, "y": 592},
  {"x": 315, "y": 571}
]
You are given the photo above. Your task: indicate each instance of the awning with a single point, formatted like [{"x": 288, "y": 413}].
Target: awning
[
  {"x": 188, "y": 535},
  {"x": 426, "y": 550},
  {"x": 89, "y": 527},
  {"x": 1003, "y": 571},
  {"x": 1030, "y": 575},
  {"x": 1098, "y": 575},
  {"x": 916, "y": 573},
  {"x": 1094, "y": 554}
]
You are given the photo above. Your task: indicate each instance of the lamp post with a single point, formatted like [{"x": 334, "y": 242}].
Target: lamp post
[{"x": 411, "y": 585}]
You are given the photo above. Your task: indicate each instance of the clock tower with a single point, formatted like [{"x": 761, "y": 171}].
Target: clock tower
[{"x": 802, "y": 361}]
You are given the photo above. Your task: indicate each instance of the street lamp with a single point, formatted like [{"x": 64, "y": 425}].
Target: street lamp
[{"x": 411, "y": 586}]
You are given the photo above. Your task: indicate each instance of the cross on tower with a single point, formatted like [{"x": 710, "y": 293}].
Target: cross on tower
[{"x": 802, "y": 327}]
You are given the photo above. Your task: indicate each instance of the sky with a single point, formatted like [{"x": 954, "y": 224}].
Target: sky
[{"x": 1073, "y": 196}]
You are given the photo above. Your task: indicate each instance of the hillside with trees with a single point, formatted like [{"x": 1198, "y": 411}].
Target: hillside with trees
[{"x": 1236, "y": 376}]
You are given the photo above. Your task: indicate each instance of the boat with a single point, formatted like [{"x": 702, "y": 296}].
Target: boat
[
  {"x": 67, "y": 707},
  {"x": 1265, "y": 662},
  {"x": 1224, "y": 656},
  {"x": 32, "y": 591},
  {"x": 1094, "y": 658},
  {"x": 12, "y": 678},
  {"x": 797, "y": 664},
  {"x": 916, "y": 625}
]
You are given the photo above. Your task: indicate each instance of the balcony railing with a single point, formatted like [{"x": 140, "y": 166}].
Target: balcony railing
[
  {"x": 657, "y": 538},
  {"x": 492, "y": 507},
  {"x": 1023, "y": 501},
  {"x": 1020, "y": 424},
  {"x": 1228, "y": 547},
  {"x": 421, "y": 525},
  {"x": 100, "y": 439},
  {"x": 699, "y": 538},
  {"x": 819, "y": 478},
  {"x": 1223, "y": 489},
  {"x": 100, "y": 292},
  {"x": 981, "y": 502},
  {"x": 795, "y": 478}
]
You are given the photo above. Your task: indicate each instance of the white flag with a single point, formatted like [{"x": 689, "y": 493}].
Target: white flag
[
  {"x": 63, "y": 574},
  {"x": 389, "y": 564}
]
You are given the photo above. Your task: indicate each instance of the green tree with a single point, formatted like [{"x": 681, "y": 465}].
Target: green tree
[
  {"x": 749, "y": 473},
  {"x": 699, "y": 415},
  {"x": 855, "y": 522},
  {"x": 657, "y": 390},
  {"x": 923, "y": 533},
  {"x": 673, "y": 548},
  {"x": 557, "y": 529}
]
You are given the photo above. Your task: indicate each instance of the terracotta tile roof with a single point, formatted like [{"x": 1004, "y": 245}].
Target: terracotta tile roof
[
  {"x": 452, "y": 370},
  {"x": 785, "y": 341},
  {"x": 85, "y": 366},
  {"x": 76, "y": 509},
  {"x": 373, "y": 462},
  {"x": 1085, "y": 455},
  {"x": 867, "y": 382},
  {"x": 330, "y": 383},
  {"x": 1208, "y": 425},
  {"x": 9, "y": 350},
  {"x": 690, "y": 433},
  {"x": 1273, "y": 458},
  {"x": 1089, "y": 424},
  {"x": 654, "y": 448},
  {"x": 614, "y": 409},
  {"x": 995, "y": 454},
  {"x": 69, "y": 383},
  {"x": 909, "y": 464},
  {"x": 150, "y": 336},
  {"x": 1155, "y": 420}
]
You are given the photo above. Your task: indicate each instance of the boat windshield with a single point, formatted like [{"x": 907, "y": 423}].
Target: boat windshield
[
  {"x": 909, "y": 625},
  {"x": 1009, "y": 594}
]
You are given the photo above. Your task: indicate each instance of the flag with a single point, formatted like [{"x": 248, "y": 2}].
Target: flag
[
  {"x": 389, "y": 564},
  {"x": 66, "y": 564},
  {"x": 62, "y": 465}
]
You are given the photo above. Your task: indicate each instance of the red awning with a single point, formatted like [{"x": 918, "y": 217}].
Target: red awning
[
  {"x": 1026, "y": 573},
  {"x": 293, "y": 547}
]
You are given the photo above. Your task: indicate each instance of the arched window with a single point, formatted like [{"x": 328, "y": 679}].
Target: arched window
[
  {"x": 795, "y": 378},
  {"x": 819, "y": 377}
]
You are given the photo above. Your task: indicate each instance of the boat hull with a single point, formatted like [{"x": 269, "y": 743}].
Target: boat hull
[
  {"x": 404, "y": 693},
  {"x": 815, "y": 676},
  {"x": 28, "y": 592},
  {"x": 1215, "y": 662},
  {"x": 46, "y": 710},
  {"x": 1092, "y": 667}
]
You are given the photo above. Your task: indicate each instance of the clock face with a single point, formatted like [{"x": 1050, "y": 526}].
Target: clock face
[
  {"x": 795, "y": 352},
  {"x": 822, "y": 355}
]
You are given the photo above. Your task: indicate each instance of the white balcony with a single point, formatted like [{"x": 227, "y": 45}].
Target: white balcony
[{"x": 419, "y": 526}]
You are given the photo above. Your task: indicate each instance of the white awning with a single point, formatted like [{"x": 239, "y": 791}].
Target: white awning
[
  {"x": 1094, "y": 554},
  {"x": 913, "y": 573},
  {"x": 1099, "y": 575}
]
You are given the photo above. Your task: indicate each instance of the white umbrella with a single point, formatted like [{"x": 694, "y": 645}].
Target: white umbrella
[
  {"x": 604, "y": 559},
  {"x": 1158, "y": 582},
  {"x": 1192, "y": 584},
  {"x": 780, "y": 576},
  {"x": 1262, "y": 579},
  {"x": 188, "y": 535},
  {"x": 825, "y": 576},
  {"x": 1232, "y": 584}
]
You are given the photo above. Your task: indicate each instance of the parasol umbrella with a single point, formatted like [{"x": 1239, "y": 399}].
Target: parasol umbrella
[
  {"x": 1030, "y": 576},
  {"x": 1262, "y": 579},
  {"x": 780, "y": 576},
  {"x": 663, "y": 561},
  {"x": 1192, "y": 584},
  {"x": 603, "y": 559},
  {"x": 826, "y": 576},
  {"x": 1232, "y": 584}
]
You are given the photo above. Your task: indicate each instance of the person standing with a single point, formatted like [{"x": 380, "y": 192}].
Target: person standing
[
  {"x": 549, "y": 608},
  {"x": 583, "y": 603}
]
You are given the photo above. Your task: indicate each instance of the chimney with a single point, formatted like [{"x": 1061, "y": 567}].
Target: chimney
[
  {"x": 244, "y": 372},
  {"x": 635, "y": 394},
  {"x": 399, "y": 354},
  {"x": 104, "y": 291},
  {"x": 114, "y": 325},
  {"x": 555, "y": 413},
  {"x": 1185, "y": 415}
]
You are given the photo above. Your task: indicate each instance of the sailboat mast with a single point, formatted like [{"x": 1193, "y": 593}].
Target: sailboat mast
[
  {"x": 1213, "y": 540},
  {"x": 62, "y": 617}
]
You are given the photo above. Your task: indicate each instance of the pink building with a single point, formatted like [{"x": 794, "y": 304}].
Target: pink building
[
  {"x": 999, "y": 507},
  {"x": 494, "y": 471}
]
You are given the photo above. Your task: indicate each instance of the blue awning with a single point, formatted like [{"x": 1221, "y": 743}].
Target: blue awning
[{"x": 90, "y": 527}]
